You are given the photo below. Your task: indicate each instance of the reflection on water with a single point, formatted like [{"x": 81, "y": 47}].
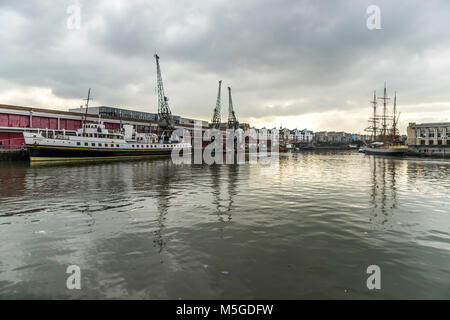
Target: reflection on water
[
  {"x": 384, "y": 190},
  {"x": 307, "y": 228}
]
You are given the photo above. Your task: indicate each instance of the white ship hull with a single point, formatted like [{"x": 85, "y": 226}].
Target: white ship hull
[{"x": 92, "y": 146}]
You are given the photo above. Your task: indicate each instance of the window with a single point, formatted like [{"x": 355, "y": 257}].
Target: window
[
  {"x": 99, "y": 144},
  {"x": 117, "y": 145},
  {"x": 78, "y": 144},
  {"x": 93, "y": 144},
  {"x": 86, "y": 144},
  {"x": 112, "y": 145},
  {"x": 132, "y": 146}
]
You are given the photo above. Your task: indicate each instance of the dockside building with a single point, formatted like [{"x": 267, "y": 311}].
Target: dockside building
[
  {"x": 429, "y": 134},
  {"x": 429, "y": 139}
]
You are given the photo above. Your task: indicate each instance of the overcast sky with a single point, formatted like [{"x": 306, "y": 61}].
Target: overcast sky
[{"x": 302, "y": 64}]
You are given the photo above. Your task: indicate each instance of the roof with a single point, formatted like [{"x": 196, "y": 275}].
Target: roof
[
  {"x": 430, "y": 124},
  {"x": 77, "y": 114}
]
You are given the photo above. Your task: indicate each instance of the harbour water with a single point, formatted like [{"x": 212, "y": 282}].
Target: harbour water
[{"x": 149, "y": 229}]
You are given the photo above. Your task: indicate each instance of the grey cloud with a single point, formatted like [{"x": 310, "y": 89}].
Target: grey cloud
[{"x": 282, "y": 58}]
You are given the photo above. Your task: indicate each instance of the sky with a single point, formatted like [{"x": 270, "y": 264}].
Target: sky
[{"x": 300, "y": 64}]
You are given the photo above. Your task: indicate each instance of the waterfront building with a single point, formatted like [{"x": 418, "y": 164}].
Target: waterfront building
[
  {"x": 134, "y": 115},
  {"x": 332, "y": 137},
  {"x": 429, "y": 139},
  {"x": 303, "y": 136},
  {"x": 14, "y": 120},
  {"x": 364, "y": 137},
  {"x": 429, "y": 134}
]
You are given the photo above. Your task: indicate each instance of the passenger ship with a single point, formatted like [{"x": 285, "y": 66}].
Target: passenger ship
[{"x": 93, "y": 141}]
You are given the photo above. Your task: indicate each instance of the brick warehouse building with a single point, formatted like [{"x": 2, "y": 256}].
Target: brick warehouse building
[{"x": 16, "y": 119}]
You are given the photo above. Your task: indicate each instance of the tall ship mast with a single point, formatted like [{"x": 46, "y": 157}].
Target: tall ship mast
[
  {"x": 384, "y": 117},
  {"x": 374, "y": 120},
  {"x": 395, "y": 118}
]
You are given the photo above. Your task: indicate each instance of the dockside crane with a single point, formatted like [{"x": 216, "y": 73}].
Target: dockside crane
[
  {"x": 164, "y": 114},
  {"x": 232, "y": 121},
  {"x": 216, "y": 117},
  {"x": 86, "y": 114}
]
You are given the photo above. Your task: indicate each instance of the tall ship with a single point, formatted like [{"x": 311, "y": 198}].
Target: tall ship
[
  {"x": 93, "y": 141},
  {"x": 385, "y": 136}
]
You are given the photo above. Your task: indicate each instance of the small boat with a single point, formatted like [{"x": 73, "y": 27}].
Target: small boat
[{"x": 362, "y": 150}]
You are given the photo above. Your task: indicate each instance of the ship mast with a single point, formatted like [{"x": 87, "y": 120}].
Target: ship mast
[
  {"x": 384, "y": 117},
  {"x": 86, "y": 113},
  {"x": 395, "y": 119},
  {"x": 374, "y": 124},
  {"x": 374, "y": 120}
]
